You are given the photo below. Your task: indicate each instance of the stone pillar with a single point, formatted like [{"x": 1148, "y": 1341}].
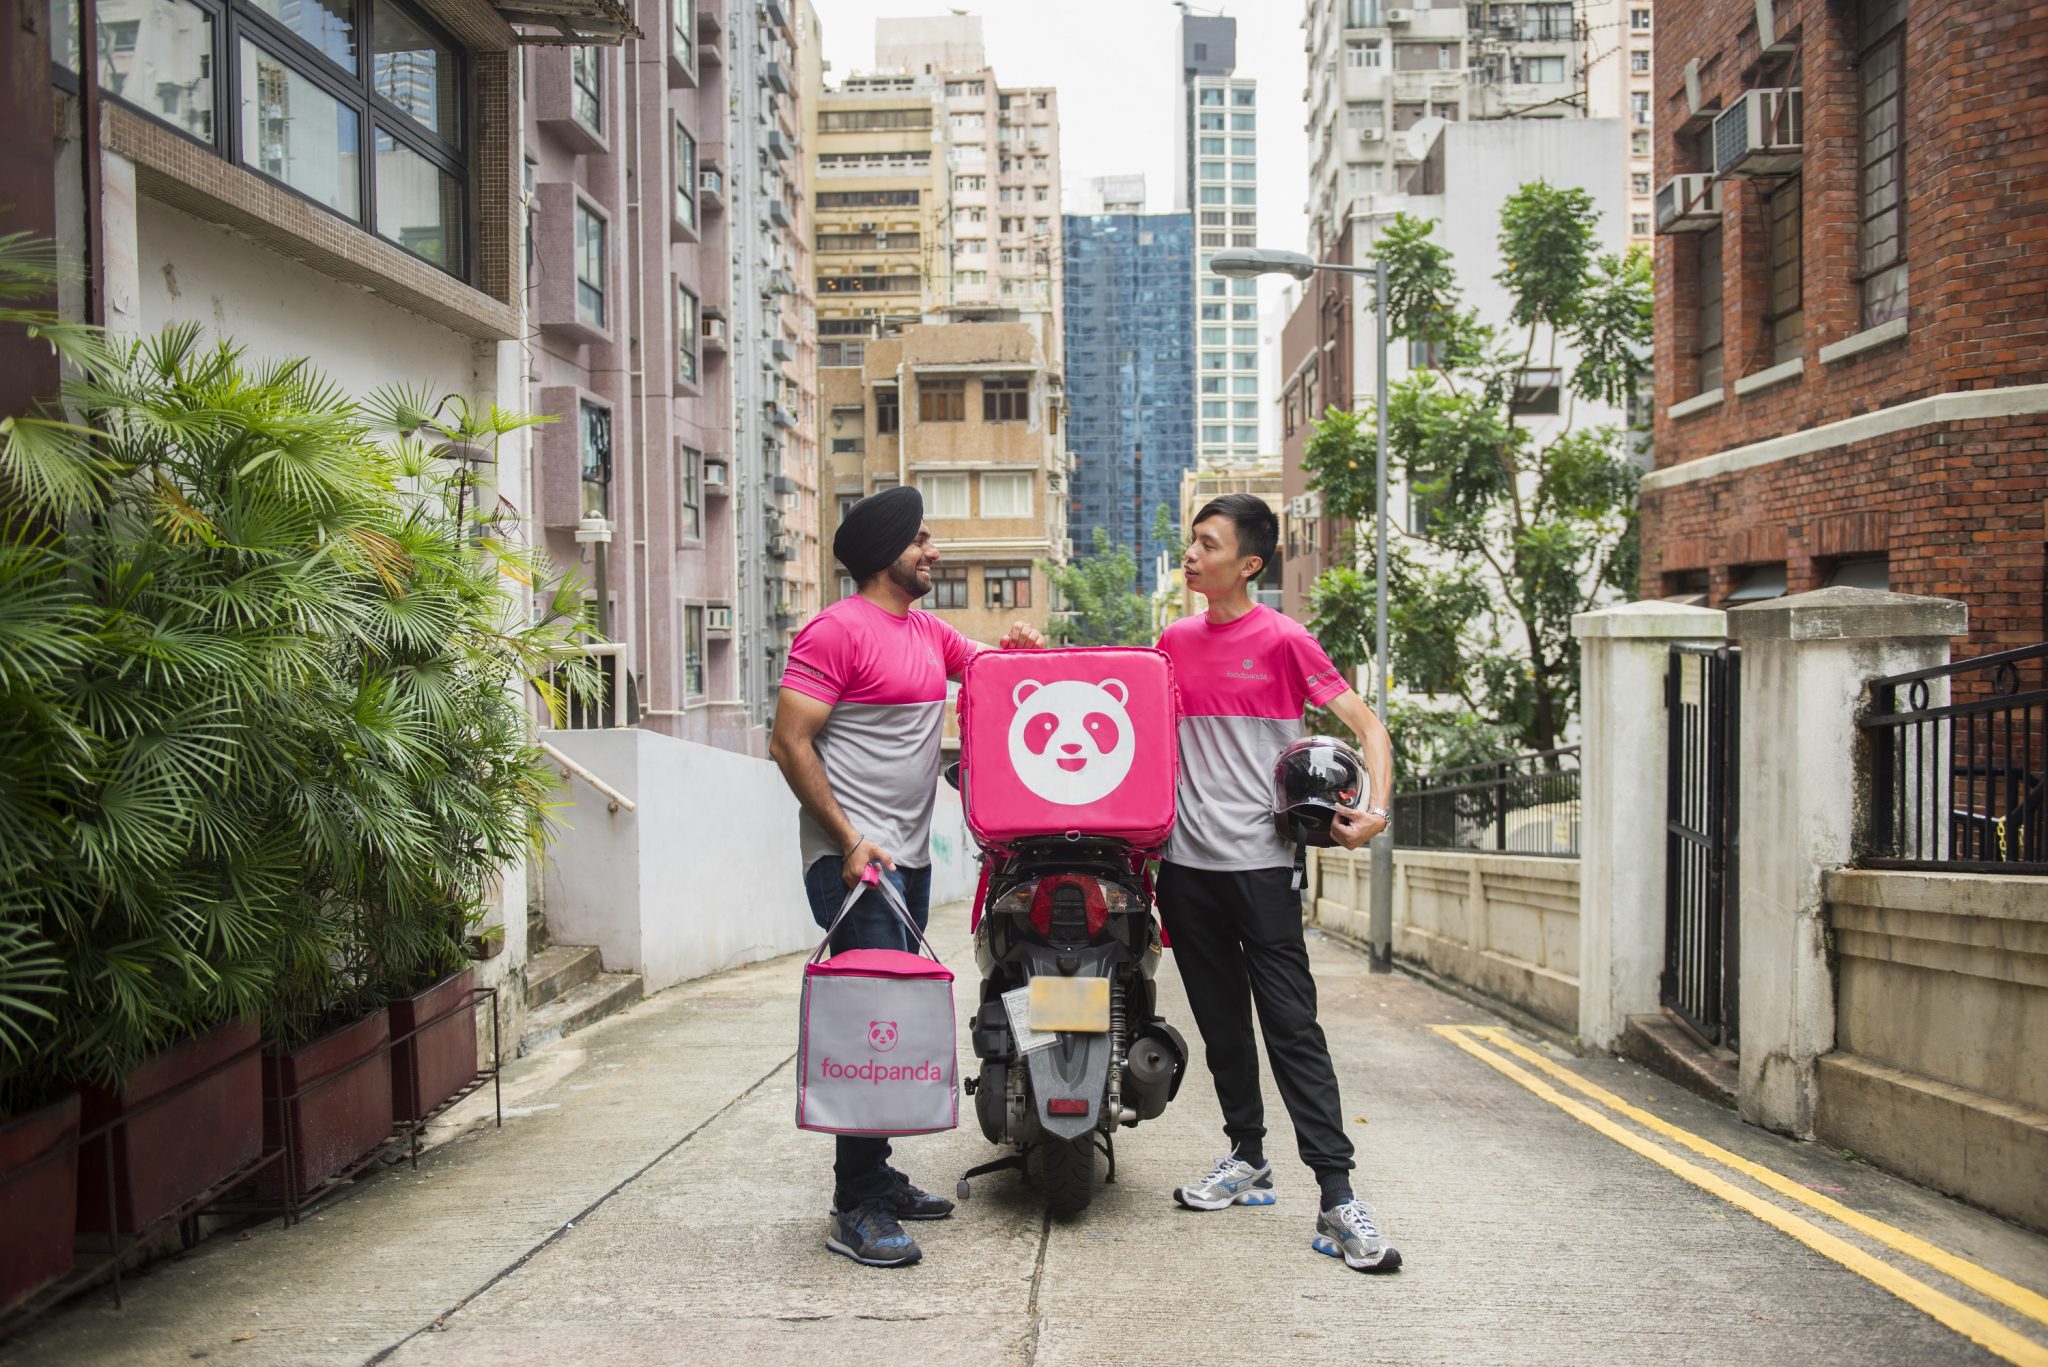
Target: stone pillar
[
  {"x": 1805, "y": 660},
  {"x": 1624, "y": 655}
]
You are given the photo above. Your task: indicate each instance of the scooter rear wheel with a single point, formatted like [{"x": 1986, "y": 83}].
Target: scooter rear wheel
[{"x": 1065, "y": 1172}]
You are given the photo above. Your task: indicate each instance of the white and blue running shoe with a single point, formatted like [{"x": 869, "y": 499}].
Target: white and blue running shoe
[
  {"x": 1350, "y": 1232},
  {"x": 1232, "y": 1182}
]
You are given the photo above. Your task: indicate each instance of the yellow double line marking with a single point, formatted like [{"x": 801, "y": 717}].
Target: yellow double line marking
[{"x": 1966, "y": 1320}]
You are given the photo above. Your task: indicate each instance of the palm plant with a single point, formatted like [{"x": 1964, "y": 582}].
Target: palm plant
[{"x": 258, "y": 704}]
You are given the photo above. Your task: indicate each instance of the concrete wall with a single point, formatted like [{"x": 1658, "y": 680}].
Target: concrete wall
[
  {"x": 1940, "y": 1070},
  {"x": 1505, "y": 924}
]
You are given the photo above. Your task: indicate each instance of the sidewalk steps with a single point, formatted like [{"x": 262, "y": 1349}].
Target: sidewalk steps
[
  {"x": 1670, "y": 1051},
  {"x": 557, "y": 969},
  {"x": 605, "y": 995}
]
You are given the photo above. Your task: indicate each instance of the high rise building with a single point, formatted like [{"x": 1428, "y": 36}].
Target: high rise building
[
  {"x": 1217, "y": 180},
  {"x": 1619, "y": 57},
  {"x": 1382, "y": 77},
  {"x": 1130, "y": 374}
]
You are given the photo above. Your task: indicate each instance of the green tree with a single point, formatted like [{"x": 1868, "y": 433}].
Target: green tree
[
  {"x": 1515, "y": 534},
  {"x": 1104, "y": 607}
]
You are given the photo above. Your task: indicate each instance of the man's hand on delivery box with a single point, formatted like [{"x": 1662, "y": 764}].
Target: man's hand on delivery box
[{"x": 1023, "y": 636}]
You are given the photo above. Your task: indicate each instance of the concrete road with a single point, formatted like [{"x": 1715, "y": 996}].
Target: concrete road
[{"x": 648, "y": 1200}]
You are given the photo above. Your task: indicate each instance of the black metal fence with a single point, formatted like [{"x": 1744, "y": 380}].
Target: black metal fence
[
  {"x": 1958, "y": 764},
  {"x": 1525, "y": 805}
]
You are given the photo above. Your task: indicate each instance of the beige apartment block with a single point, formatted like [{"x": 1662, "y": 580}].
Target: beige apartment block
[
  {"x": 970, "y": 414},
  {"x": 879, "y": 186},
  {"x": 1261, "y": 476}
]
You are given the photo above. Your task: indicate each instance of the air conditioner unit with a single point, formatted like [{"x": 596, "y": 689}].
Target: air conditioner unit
[
  {"x": 1372, "y": 134},
  {"x": 718, "y": 619},
  {"x": 1761, "y": 134},
  {"x": 714, "y": 473},
  {"x": 714, "y": 331},
  {"x": 780, "y": 548},
  {"x": 710, "y": 183},
  {"x": 1688, "y": 204},
  {"x": 1400, "y": 16}
]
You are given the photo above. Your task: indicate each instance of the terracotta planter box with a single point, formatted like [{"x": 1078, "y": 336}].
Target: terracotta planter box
[
  {"x": 334, "y": 1123},
  {"x": 439, "y": 1061},
  {"x": 169, "y": 1153},
  {"x": 41, "y": 1201}
]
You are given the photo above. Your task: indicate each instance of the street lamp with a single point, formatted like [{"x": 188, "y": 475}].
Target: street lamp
[{"x": 1242, "y": 263}]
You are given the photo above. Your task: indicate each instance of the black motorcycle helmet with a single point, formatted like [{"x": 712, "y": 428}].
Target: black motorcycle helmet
[{"x": 1313, "y": 778}]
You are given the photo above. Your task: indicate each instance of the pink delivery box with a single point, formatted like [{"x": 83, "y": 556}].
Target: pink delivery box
[{"x": 1081, "y": 740}]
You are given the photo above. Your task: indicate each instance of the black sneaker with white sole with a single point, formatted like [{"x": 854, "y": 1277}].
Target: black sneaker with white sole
[
  {"x": 911, "y": 1203},
  {"x": 870, "y": 1235}
]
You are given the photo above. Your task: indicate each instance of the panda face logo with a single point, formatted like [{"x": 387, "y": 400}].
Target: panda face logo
[
  {"x": 881, "y": 1036},
  {"x": 1071, "y": 742}
]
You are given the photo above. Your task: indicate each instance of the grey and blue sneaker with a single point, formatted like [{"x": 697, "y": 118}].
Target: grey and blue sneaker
[
  {"x": 910, "y": 1203},
  {"x": 1349, "y": 1232},
  {"x": 870, "y": 1235},
  {"x": 1232, "y": 1182}
]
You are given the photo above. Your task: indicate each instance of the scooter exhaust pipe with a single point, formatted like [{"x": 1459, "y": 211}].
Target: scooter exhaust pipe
[{"x": 1149, "y": 1073}]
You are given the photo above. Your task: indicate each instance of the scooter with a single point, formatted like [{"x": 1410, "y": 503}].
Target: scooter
[{"x": 1071, "y": 1045}]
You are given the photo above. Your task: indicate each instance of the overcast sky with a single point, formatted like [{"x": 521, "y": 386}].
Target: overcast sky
[{"x": 1116, "y": 65}]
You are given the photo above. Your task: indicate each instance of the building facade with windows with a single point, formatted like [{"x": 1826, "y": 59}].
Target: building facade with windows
[
  {"x": 1383, "y": 76},
  {"x": 1620, "y": 61},
  {"x": 969, "y": 414},
  {"x": 1852, "y": 307},
  {"x": 1130, "y": 376},
  {"x": 1217, "y": 180}
]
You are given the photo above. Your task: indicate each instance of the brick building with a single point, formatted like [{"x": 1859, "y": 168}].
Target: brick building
[{"x": 1852, "y": 302}]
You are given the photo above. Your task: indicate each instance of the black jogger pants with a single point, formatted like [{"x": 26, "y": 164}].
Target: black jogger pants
[{"x": 1237, "y": 938}]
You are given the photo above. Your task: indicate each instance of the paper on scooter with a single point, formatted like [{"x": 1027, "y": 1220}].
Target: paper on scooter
[{"x": 1017, "y": 1003}]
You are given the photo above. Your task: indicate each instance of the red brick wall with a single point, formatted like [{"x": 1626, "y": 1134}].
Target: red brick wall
[
  {"x": 1957, "y": 509},
  {"x": 1322, "y": 317}
]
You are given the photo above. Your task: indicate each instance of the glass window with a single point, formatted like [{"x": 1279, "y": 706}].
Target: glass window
[
  {"x": 1880, "y": 75},
  {"x": 1211, "y": 170},
  {"x": 1215, "y": 336},
  {"x": 690, "y": 494},
  {"x": 686, "y": 177},
  {"x": 1245, "y": 288},
  {"x": 1639, "y": 20},
  {"x": 159, "y": 58},
  {"x": 1244, "y": 360},
  {"x": 1362, "y": 55},
  {"x": 295, "y": 132},
  {"x": 1006, "y": 398},
  {"x": 1215, "y": 435},
  {"x": 942, "y": 400},
  {"x": 1244, "y": 96},
  {"x": 329, "y": 26},
  {"x": 1244, "y": 147},
  {"x": 1212, "y": 147},
  {"x": 1244, "y": 434},
  {"x": 590, "y": 264},
  {"x": 1006, "y": 495},
  {"x": 944, "y": 495},
  {"x": 1244, "y": 194},
  {"x": 693, "y": 651},
  {"x": 1709, "y": 325},
  {"x": 949, "y": 586},
  {"x": 416, "y": 71},
  {"x": 1007, "y": 586},
  {"x": 586, "y": 76},
  {"x": 1210, "y": 95},
  {"x": 1245, "y": 384},
  {"x": 419, "y": 205},
  {"x": 1639, "y": 62},
  {"x": 682, "y": 32},
  {"x": 1361, "y": 13},
  {"x": 888, "y": 410},
  {"x": 1784, "y": 316},
  {"x": 1212, "y": 194},
  {"x": 1243, "y": 123},
  {"x": 1242, "y": 409},
  {"x": 1211, "y": 123},
  {"x": 597, "y": 459},
  {"x": 689, "y": 329},
  {"x": 1244, "y": 336},
  {"x": 1215, "y": 408},
  {"x": 1244, "y": 170},
  {"x": 1542, "y": 70}
]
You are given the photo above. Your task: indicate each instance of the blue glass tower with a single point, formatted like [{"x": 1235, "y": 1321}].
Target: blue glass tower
[{"x": 1130, "y": 336}]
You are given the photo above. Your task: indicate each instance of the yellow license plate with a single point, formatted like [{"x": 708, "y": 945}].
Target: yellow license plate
[{"x": 1070, "y": 1004}]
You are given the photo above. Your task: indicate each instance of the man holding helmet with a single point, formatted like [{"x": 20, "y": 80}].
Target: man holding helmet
[{"x": 1251, "y": 790}]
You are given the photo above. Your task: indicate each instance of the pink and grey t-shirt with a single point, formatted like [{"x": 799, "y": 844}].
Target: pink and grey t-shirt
[
  {"x": 885, "y": 677},
  {"x": 1243, "y": 686}
]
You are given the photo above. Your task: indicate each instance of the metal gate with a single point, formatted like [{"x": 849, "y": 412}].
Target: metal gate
[{"x": 1701, "y": 967}]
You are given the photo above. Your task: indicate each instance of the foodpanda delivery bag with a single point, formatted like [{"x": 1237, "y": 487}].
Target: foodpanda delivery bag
[{"x": 875, "y": 1036}]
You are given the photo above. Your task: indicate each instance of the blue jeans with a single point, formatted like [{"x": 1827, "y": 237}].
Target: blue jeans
[{"x": 860, "y": 1169}]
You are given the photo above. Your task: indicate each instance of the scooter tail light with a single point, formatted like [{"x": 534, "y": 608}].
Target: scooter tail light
[
  {"x": 1067, "y": 1105},
  {"x": 1091, "y": 895}
]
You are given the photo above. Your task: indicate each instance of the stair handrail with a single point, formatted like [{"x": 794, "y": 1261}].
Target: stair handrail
[{"x": 570, "y": 766}]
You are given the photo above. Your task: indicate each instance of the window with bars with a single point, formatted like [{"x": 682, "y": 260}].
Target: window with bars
[
  {"x": 1007, "y": 587},
  {"x": 1881, "y": 90},
  {"x": 1707, "y": 349},
  {"x": 1784, "y": 317},
  {"x": 1006, "y": 398},
  {"x": 942, "y": 399}
]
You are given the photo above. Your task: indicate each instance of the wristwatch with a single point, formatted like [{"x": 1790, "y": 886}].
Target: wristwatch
[{"x": 1382, "y": 813}]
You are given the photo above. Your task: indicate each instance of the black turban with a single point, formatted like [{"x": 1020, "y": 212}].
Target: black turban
[{"x": 878, "y": 529}]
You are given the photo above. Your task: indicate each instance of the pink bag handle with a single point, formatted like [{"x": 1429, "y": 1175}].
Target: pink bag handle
[{"x": 871, "y": 876}]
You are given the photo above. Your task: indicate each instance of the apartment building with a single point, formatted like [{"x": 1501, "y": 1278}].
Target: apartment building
[
  {"x": 1852, "y": 304},
  {"x": 1383, "y": 77},
  {"x": 969, "y": 413},
  {"x": 1262, "y": 477},
  {"x": 1217, "y": 179},
  {"x": 1130, "y": 375},
  {"x": 880, "y": 201},
  {"x": 1620, "y": 62}
]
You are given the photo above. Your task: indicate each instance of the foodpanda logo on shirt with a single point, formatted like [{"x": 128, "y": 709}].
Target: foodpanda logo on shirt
[
  {"x": 1246, "y": 673},
  {"x": 1071, "y": 742}
]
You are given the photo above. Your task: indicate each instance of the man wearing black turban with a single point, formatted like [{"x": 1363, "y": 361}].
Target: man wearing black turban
[{"x": 857, "y": 731}]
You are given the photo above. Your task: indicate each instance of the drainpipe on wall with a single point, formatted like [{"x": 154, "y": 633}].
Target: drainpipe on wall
[{"x": 89, "y": 158}]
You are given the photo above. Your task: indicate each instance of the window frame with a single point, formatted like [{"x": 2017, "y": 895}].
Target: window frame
[
  {"x": 683, "y": 165},
  {"x": 888, "y": 410},
  {"x": 689, "y": 336},
  {"x": 1009, "y": 479},
  {"x": 689, "y": 494},
  {"x": 1784, "y": 312},
  {"x": 595, "y": 91},
  {"x": 1703, "y": 349},
  {"x": 993, "y": 594},
  {"x": 233, "y": 22},
  {"x": 929, "y": 486},
  {"x": 1869, "y": 51},
  {"x": 589, "y": 411},
  {"x": 1006, "y": 398},
  {"x": 586, "y": 210},
  {"x": 941, "y": 398},
  {"x": 949, "y": 587},
  {"x": 694, "y": 679}
]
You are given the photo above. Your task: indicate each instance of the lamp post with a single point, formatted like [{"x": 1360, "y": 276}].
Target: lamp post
[{"x": 1240, "y": 263}]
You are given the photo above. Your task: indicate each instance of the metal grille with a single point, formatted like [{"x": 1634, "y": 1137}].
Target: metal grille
[
  {"x": 1702, "y": 691},
  {"x": 1525, "y": 805}
]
